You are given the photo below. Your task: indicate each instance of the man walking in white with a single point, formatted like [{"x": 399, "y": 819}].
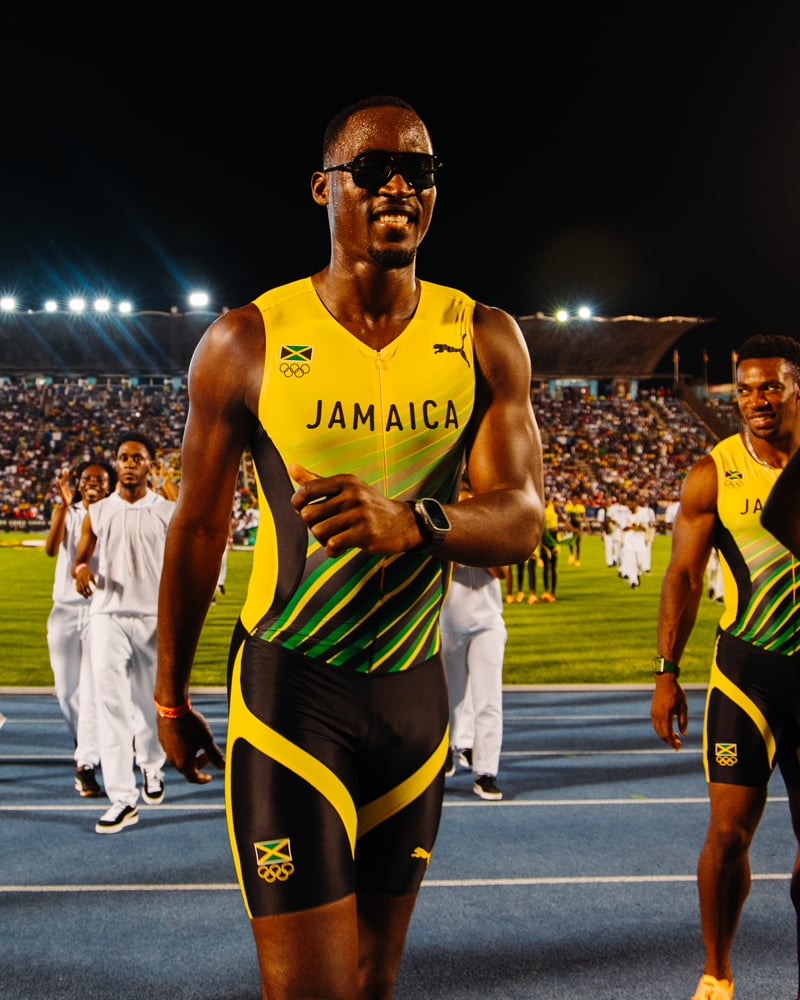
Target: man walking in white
[
  {"x": 130, "y": 526},
  {"x": 473, "y": 644},
  {"x": 69, "y": 617}
]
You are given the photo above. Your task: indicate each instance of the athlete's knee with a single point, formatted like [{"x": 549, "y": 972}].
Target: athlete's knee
[{"x": 730, "y": 836}]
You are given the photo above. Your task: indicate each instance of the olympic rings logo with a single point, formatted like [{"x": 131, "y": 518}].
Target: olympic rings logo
[
  {"x": 727, "y": 761},
  {"x": 294, "y": 369},
  {"x": 276, "y": 872}
]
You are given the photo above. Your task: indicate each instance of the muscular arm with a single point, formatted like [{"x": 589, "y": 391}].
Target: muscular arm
[
  {"x": 224, "y": 382},
  {"x": 681, "y": 589},
  {"x": 502, "y": 523}
]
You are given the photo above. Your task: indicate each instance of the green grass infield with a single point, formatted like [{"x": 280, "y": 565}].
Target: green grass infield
[{"x": 598, "y": 631}]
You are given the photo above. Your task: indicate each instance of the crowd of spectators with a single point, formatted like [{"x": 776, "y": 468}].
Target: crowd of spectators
[
  {"x": 594, "y": 448},
  {"x": 598, "y": 450}
]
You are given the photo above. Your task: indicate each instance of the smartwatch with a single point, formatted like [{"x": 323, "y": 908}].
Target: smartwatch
[
  {"x": 661, "y": 665},
  {"x": 432, "y": 521}
]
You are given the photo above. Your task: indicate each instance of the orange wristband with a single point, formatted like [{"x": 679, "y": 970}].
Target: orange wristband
[{"x": 173, "y": 713}]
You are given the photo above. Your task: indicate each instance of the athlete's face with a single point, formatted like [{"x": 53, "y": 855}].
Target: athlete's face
[
  {"x": 94, "y": 483},
  {"x": 768, "y": 397},
  {"x": 384, "y": 225}
]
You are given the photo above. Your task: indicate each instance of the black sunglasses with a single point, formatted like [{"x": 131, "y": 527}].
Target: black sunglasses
[{"x": 373, "y": 170}]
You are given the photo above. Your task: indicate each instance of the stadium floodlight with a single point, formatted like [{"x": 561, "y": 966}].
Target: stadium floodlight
[
  {"x": 125, "y": 307},
  {"x": 198, "y": 300},
  {"x": 8, "y": 303},
  {"x": 102, "y": 305},
  {"x": 77, "y": 304},
  {"x": 562, "y": 315},
  {"x": 585, "y": 312},
  {"x": 51, "y": 306}
]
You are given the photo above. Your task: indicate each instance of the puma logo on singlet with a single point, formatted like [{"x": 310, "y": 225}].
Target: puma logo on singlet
[
  {"x": 422, "y": 854},
  {"x": 439, "y": 348}
]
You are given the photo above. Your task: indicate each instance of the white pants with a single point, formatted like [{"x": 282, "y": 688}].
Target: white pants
[
  {"x": 473, "y": 660},
  {"x": 631, "y": 564},
  {"x": 72, "y": 677},
  {"x": 608, "y": 548},
  {"x": 123, "y": 650}
]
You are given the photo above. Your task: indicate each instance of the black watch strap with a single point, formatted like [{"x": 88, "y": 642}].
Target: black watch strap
[{"x": 432, "y": 521}]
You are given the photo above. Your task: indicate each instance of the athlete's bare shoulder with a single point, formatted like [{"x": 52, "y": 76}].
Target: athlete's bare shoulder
[
  {"x": 699, "y": 490},
  {"x": 230, "y": 356},
  {"x": 499, "y": 344}
]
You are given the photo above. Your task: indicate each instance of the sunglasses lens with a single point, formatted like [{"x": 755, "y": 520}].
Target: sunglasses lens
[
  {"x": 419, "y": 169},
  {"x": 372, "y": 170}
]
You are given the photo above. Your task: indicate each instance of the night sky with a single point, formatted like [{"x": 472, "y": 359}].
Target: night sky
[{"x": 646, "y": 166}]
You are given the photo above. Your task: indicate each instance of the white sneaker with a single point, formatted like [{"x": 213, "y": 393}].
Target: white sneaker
[
  {"x": 152, "y": 787},
  {"x": 116, "y": 818}
]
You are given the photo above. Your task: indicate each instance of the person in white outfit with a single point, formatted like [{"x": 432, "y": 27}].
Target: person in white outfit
[
  {"x": 647, "y": 516},
  {"x": 473, "y": 633},
  {"x": 129, "y": 528},
  {"x": 633, "y": 520},
  {"x": 69, "y": 616},
  {"x": 714, "y": 578},
  {"x": 618, "y": 514}
]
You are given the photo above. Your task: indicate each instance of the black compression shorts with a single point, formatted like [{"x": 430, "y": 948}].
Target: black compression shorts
[
  {"x": 334, "y": 780},
  {"x": 752, "y": 717}
]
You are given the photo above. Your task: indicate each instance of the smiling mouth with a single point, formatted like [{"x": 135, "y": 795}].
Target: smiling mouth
[{"x": 394, "y": 220}]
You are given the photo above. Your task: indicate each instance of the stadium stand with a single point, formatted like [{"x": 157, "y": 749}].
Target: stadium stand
[{"x": 69, "y": 385}]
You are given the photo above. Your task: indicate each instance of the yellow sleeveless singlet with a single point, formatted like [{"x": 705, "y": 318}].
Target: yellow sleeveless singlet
[
  {"x": 396, "y": 418},
  {"x": 760, "y": 574}
]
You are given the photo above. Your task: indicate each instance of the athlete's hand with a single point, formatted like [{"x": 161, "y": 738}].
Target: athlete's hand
[
  {"x": 189, "y": 745},
  {"x": 344, "y": 512},
  {"x": 667, "y": 706}
]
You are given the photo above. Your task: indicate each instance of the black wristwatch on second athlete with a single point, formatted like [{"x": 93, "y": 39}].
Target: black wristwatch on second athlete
[{"x": 432, "y": 521}]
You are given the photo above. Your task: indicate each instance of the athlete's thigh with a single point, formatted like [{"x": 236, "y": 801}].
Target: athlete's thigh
[
  {"x": 748, "y": 720},
  {"x": 290, "y": 780},
  {"x": 401, "y": 779}
]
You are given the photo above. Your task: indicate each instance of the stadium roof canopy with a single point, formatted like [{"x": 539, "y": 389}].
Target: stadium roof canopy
[
  {"x": 617, "y": 347},
  {"x": 155, "y": 343}
]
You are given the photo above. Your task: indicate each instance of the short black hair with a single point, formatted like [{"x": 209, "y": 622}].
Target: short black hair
[
  {"x": 772, "y": 345},
  {"x": 139, "y": 437},
  {"x": 336, "y": 125}
]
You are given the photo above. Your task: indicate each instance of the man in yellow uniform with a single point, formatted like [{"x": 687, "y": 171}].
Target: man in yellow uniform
[
  {"x": 752, "y": 720},
  {"x": 363, "y": 393}
]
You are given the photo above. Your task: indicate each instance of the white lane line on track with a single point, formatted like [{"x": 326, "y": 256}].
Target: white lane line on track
[
  {"x": 567, "y": 752},
  {"x": 508, "y": 803},
  {"x": 434, "y": 883}
]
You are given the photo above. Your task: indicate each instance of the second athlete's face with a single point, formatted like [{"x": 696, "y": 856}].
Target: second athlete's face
[
  {"x": 384, "y": 226},
  {"x": 767, "y": 396}
]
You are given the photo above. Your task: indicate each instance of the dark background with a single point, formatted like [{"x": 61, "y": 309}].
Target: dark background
[{"x": 642, "y": 160}]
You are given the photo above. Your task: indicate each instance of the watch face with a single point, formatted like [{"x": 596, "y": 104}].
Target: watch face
[{"x": 436, "y": 515}]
